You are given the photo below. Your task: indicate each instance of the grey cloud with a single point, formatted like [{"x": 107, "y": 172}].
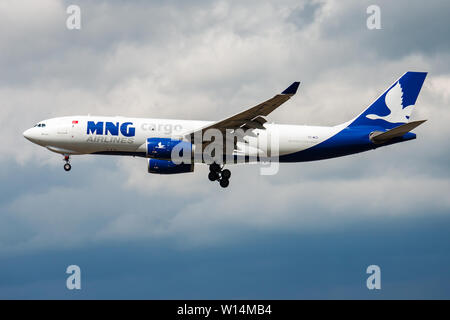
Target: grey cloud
[
  {"x": 207, "y": 61},
  {"x": 98, "y": 204},
  {"x": 305, "y": 14},
  {"x": 408, "y": 28},
  {"x": 324, "y": 265}
]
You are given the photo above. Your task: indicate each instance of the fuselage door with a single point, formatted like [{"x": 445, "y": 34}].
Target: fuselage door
[{"x": 75, "y": 129}]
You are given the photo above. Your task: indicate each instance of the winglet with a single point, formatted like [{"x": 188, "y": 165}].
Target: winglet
[{"x": 292, "y": 89}]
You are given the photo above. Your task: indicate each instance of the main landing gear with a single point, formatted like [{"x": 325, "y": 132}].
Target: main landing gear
[
  {"x": 217, "y": 174},
  {"x": 67, "y": 165}
]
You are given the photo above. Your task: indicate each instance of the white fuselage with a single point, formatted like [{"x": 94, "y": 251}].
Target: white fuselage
[{"x": 128, "y": 136}]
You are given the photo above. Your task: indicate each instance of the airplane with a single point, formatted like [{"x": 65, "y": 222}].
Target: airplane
[{"x": 384, "y": 122}]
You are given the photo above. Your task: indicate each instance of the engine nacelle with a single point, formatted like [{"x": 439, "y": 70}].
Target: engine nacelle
[
  {"x": 168, "y": 167},
  {"x": 161, "y": 148}
]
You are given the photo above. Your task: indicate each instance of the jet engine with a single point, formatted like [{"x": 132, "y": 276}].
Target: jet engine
[
  {"x": 168, "y": 167},
  {"x": 166, "y": 148},
  {"x": 168, "y": 156}
]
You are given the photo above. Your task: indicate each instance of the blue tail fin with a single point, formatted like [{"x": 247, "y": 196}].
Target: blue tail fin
[{"x": 395, "y": 105}]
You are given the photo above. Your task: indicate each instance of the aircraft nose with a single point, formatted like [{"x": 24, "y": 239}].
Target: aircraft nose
[{"x": 28, "y": 134}]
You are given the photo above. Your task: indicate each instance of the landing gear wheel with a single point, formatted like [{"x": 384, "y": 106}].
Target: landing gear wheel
[
  {"x": 224, "y": 183},
  {"x": 217, "y": 174},
  {"x": 213, "y": 176},
  {"x": 67, "y": 165},
  {"x": 214, "y": 167},
  {"x": 226, "y": 174}
]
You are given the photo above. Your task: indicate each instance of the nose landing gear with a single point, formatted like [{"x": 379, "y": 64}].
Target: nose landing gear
[
  {"x": 217, "y": 174},
  {"x": 67, "y": 165}
]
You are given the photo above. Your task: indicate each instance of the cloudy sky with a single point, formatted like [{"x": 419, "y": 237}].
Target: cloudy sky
[{"x": 308, "y": 232}]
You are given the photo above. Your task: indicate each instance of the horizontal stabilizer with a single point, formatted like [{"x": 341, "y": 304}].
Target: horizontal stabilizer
[{"x": 381, "y": 137}]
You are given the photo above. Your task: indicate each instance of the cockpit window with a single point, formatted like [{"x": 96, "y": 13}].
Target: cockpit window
[{"x": 40, "y": 125}]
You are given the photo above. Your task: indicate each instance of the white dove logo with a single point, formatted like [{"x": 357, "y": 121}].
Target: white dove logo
[
  {"x": 160, "y": 145},
  {"x": 394, "y": 101}
]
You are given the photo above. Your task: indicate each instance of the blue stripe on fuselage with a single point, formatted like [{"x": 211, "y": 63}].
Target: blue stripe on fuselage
[{"x": 349, "y": 140}]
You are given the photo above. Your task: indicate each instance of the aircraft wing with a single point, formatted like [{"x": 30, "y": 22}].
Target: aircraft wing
[{"x": 251, "y": 118}]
